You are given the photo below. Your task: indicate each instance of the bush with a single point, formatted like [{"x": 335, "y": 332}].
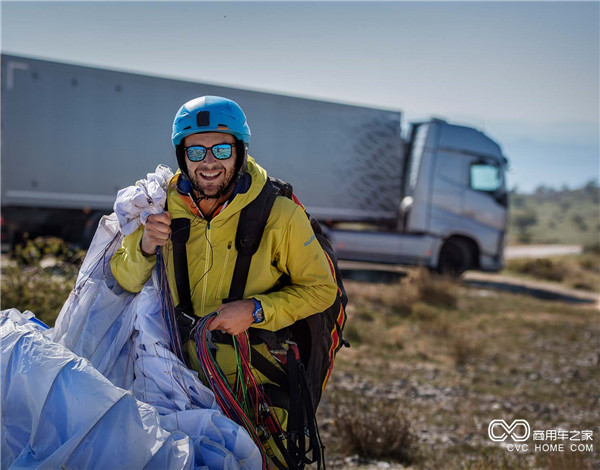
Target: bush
[
  {"x": 32, "y": 252},
  {"x": 40, "y": 277},
  {"x": 524, "y": 237},
  {"x": 420, "y": 286},
  {"x": 464, "y": 349},
  {"x": 37, "y": 289},
  {"x": 525, "y": 219},
  {"x": 542, "y": 268},
  {"x": 580, "y": 272},
  {"x": 593, "y": 248},
  {"x": 437, "y": 291},
  {"x": 424, "y": 287},
  {"x": 375, "y": 429},
  {"x": 579, "y": 222}
]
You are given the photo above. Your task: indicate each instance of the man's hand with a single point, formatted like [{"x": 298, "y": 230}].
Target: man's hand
[
  {"x": 156, "y": 232},
  {"x": 234, "y": 317}
]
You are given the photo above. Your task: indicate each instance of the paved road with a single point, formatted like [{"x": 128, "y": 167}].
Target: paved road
[
  {"x": 536, "y": 288},
  {"x": 372, "y": 272},
  {"x": 540, "y": 251}
]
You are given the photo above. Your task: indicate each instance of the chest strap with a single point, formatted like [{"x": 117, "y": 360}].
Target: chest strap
[{"x": 184, "y": 311}]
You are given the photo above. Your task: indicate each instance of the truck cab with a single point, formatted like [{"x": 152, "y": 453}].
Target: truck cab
[
  {"x": 454, "y": 189},
  {"x": 452, "y": 212}
]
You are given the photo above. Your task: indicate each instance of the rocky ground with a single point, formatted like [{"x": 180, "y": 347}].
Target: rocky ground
[{"x": 443, "y": 369}]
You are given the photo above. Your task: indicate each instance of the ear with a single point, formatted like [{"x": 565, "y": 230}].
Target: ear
[
  {"x": 180, "y": 154},
  {"x": 240, "y": 150}
]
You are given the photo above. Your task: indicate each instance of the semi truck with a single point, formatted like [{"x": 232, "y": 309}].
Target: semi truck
[{"x": 73, "y": 135}]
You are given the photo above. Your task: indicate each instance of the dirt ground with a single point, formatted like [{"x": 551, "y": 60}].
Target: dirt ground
[{"x": 445, "y": 367}]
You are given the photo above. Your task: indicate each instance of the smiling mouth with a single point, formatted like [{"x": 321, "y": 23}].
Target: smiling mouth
[{"x": 210, "y": 175}]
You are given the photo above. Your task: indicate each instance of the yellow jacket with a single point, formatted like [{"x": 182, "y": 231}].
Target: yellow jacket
[{"x": 288, "y": 246}]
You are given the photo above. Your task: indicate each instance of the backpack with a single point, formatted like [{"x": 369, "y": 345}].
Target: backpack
[{"x": 318, "y": 337}]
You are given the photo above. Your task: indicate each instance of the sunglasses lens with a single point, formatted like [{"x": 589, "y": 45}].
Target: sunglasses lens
[
  {"x": 222, "y": 151},
  {"x": 196, "y": 154}
]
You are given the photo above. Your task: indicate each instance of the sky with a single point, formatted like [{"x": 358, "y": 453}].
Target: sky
[{"x": 526, "y": 73}]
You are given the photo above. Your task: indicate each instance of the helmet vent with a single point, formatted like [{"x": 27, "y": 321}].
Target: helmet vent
[
  {"x": 186, "y": 128},
  {"x": 203, "y": 119}
]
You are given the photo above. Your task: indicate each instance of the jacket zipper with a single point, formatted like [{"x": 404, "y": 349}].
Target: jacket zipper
[
  {"x": 207, "y": 254},
  {"x": 223, "y": 270}
]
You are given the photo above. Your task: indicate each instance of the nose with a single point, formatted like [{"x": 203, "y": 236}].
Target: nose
[{"x": 210, "y": 158}]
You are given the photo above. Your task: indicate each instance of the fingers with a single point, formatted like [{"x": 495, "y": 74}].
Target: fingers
[
  {"x": 234, "y": 318},
  {"x": 163, "y": 217},
  {"x": 156, "y": 232},
  {"x": 215, "y": 324}
]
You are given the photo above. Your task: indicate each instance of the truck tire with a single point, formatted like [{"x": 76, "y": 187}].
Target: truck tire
[{"x": 455, "y": 258}]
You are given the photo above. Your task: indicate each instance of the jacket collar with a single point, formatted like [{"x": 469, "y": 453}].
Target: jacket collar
[{"x": 178, "y": 207}]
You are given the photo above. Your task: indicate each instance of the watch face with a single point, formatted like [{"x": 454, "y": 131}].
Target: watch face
[
  {"x": 258, "y": 312},
  {"x": 258, "y": 315}
]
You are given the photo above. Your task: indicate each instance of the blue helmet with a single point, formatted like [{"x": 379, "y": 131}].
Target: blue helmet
[{"x": 210, "y": 114}]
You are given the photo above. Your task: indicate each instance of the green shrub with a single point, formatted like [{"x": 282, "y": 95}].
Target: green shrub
[
  {"x": 42, "y": 291},
  {"x": 31, "y": 252},
  {"x": 39, "y": 277}
]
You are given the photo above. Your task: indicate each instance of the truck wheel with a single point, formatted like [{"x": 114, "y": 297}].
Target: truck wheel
[{"x": 455, "y": 258}]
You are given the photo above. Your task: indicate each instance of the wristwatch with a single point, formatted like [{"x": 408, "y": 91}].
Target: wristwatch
[{"x": 258, "y": 314}]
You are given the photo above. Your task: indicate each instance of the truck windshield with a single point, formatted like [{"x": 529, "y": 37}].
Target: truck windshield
[{"x": 485, "y": 177}]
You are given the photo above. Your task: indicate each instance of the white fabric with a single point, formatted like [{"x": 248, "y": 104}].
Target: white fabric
[
  {"x": 60, "y": 412},
  {"x": 148, "y": 196},
  {"x": 102, "y": 389}
]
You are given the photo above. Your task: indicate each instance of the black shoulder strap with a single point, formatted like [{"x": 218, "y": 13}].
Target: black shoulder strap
[
  {"x": 180, "y": 233},
  {"x": 251, "y": 226}
]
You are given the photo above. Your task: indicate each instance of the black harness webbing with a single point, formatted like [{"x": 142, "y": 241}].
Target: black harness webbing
[
  {"x": 251, "y": 226},
  {"x": 180, "y": 234},
  {"x": 184, "y": 311}
]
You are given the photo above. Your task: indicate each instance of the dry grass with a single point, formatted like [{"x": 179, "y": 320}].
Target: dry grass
[
  {"x": 495, "y": 459},
  {"x": 563, "y": 461},
  {"x": 579, "y": 272},
  {"x": 464, "y": 348},
  {"x": 375, "y": 428},
  {"x": 420, "y": 286}
]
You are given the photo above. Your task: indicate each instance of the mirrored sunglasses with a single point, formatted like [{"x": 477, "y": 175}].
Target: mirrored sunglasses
[{"x": 197, "y": 153}]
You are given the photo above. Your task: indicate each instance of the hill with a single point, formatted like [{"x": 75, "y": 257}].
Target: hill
[{"x": 568, "y": 216}]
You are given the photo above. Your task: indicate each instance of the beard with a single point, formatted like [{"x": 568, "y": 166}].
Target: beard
[{"x": 212, "y": 189}]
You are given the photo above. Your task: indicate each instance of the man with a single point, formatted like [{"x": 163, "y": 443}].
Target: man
[{"x": 289, "y": 276}]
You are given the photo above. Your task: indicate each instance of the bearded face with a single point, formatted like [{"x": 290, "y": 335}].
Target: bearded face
[{"x": 211, "y": 175}]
